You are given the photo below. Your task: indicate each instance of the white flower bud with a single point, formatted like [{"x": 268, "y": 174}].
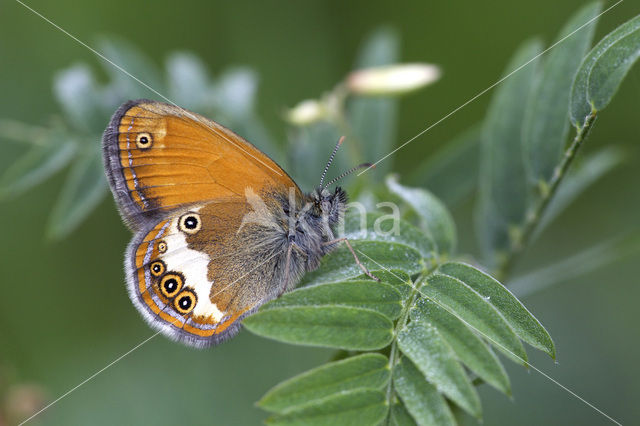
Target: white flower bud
[
  {"x": 392, "y": 79},
  {"x": 306, "y": 112}
]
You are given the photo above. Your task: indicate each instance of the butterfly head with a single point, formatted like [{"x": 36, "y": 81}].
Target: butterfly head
[{"x": 328, "y": 204}]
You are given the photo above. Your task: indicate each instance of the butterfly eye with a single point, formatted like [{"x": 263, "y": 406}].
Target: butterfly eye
[
  {"x": 162, "y": 247},
  {"x": 170, "y": 285},
  {"x": 190, "y": 223},
  {"x": 157, "y": 268},
  {"x": 185, "y": 302},
  {"x": 143, "y": 140}
]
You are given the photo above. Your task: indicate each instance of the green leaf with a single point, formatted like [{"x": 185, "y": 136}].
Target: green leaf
[
  {"x": 435, "y": 219},
  {"x": 188, "y": 81},
  {"x": 475, "y": 311},
  {"x": 436, "y": 360},
  {"x": 82, "y": 102},
  {"x": 423, "y": 401},
  {"x": 452, "y": 172},
  {"x": 362, "y": 407},
  {"x": 395, "y": 277},
  {"x": 18, "y": 131},
  {"x": 603, "y": 70},
  {"x": 341, "y": 265},
  {"x": 236, "y": 91},
  {"x": 525, "y": 325},
  {"x": 399, "y": 416},
  {"x": 373, "y": 119},
  {"x": 469, "y": 348},
  {"x": 503, "y": 192},
  {"x": 400, "y": 280},
  {"x": 84, "y": 188},
  {"x": 376, "y": 296},
  {"x": 579, "y": 179},
  {"x": 236, "y": 98},
  {"x": 328, "y": 326},
  {"x": 362, "y": 371},
  {"x": 141, "y": 79},
  {"x": 41, "y": 162},
  {"x": 377, "y": 244},
  {"x": 546, "y": 121},
  {"x": 613, "y": 65}
]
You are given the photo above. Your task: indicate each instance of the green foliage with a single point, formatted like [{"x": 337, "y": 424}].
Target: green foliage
[
  {"x": 415, "y": 344},
  {"x": 472, "y": 308},
  {"x": 452, "y": 173},
  {"x": 434, "y": 218},
  {"x": 441, "y": 320},
  {"x": 503, "y": 193},
  {"x": 361, "y": 406},
  {"x": 546, "y": 123},
  {"x": 406, "y": 248},
  {"x": 603, "y": 70},
  {"x": 424, "y": 346},
  {"x": 331, "y": 326},
  {"x": 50, "y": 153},
  {"x": 523, "y": 156},
  {"x": 453, "y": 314},
  {"x": 363, "y": 371},
  {"x": 380, "y": 297},
  {"x": 422, "y": 399},
  {"x": 470, "y": 349}
]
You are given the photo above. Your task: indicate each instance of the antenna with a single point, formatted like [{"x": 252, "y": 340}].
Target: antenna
[
  {"x": 348, "y": 172},
  {"x": 333, "y": 154}
]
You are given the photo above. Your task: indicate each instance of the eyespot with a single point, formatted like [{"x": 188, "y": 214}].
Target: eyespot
[
  {"x": 170, "y": 284},
  {"x": 157, "y": 268},
  {"x": 185, "y": 302},
  {"x": 162, "y": 247},
  {"x": 144, "y": 140},
  {"x": 190, "y": 223}
]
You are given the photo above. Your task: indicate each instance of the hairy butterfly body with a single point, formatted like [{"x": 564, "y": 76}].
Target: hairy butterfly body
[{"x": 219, "y": 228}]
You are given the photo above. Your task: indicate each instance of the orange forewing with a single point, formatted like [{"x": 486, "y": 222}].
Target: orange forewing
[{"x": 190, "y": 159}]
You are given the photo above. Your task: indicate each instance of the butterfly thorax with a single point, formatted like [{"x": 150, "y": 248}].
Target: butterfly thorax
[{"x": 308, "y": 220}]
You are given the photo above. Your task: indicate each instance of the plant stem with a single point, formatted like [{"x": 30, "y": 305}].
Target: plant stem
[
  {"x": 533, "y": 217},
  {"x": 393, "y": 354}
]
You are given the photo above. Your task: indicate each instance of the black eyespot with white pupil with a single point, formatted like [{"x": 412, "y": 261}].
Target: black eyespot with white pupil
[
  {"x": 190, "y": 223},
  {"x": 157, "y": 268},
  {"x": 170, "y": 284},
  {"x": 185, "y": 302},
  {"x": 144, "y": 140}
]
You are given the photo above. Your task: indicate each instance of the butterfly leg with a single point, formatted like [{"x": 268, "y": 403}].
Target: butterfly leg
[{"x": 355, "y": 256}]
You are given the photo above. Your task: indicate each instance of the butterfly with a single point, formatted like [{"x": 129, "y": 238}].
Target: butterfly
[{"x": 219, "y": 228}]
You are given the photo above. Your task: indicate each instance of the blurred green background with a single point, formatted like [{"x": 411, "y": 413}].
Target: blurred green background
[{"x": 64, "y": 312}]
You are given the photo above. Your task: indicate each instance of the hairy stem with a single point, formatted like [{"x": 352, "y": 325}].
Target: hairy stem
[{"x": 533, "y": 217}]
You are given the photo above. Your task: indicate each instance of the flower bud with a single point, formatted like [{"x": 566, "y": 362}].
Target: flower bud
[
  {"x": 306, "y": 112},
  {"x": 392, "y": 79}
]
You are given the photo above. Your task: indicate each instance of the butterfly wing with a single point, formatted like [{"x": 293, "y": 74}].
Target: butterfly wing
[
  {"x": 195, "y": 275},
  {"x": 160, "y": 157},
  {"x": 184, "y": 184}
]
